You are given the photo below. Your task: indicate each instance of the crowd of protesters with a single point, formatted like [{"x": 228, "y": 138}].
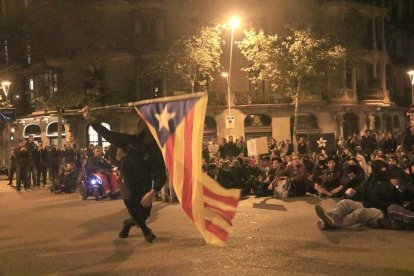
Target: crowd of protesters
[
  {"x": 375, "y": 172},
  {"x": 372, "y": 176},
  {"x": 35, "y": 164}
]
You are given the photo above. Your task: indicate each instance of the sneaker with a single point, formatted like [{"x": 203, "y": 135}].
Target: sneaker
[
  {"x": 325, "y": 217},
  {"x": 321, "y": 224},
  {"x": 149, "y": 236},
  {"x": 125, "y": 228}
]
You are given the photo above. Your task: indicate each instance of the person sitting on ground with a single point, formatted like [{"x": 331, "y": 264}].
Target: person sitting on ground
[
  {"x": 370, "y": 202},
  {"x": 398, "y": 177},
  {"x": 67, "y": 181},
  {"x": 296, "y": 171},
  {"x": 264, "y": 178},
  {"x": 352, "y": 180},
  {"x": 328, "y": 182},
  {"x": 224, "y": 175}
]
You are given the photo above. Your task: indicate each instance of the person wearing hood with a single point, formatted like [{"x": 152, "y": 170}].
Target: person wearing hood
[
  {"x": 142, "y": 172},
  {"x": 369, "y": 204}
]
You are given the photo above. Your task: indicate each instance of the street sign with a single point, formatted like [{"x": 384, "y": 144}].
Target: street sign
[
  {"x": 7, "y": 114},
  {"x": 230, "y": 122}
]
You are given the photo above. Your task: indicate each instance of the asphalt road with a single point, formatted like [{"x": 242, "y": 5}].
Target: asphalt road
[{"x": 46, "y": 234}]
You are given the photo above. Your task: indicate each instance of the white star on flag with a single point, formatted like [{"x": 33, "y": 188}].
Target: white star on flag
[
  {"x": 164, "y": 118},
  {"x": 321, "y": 142}
]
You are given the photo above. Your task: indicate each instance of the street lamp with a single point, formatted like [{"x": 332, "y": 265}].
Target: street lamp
[
  {"x": 411, "y": 75},
  {"x": 234, "y": 23},
  {"x": 5, "y": 85}
]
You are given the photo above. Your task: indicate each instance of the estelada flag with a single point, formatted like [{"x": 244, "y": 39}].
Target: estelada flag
[
  {"x": 325, "y": 141},
  {"x": 177, "y": 125}
]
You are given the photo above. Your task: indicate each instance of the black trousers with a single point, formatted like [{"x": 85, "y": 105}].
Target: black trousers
[
  {"x": 12, "y": 170},
  {"x": 32, "y": 174},
  {"x": 21, "y": 176},
  {"x": 132, "y": 193},
  {"x": 41, "y": 172}
]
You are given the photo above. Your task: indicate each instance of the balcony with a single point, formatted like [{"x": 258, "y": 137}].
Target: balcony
[{"x": 343, "y": 96}]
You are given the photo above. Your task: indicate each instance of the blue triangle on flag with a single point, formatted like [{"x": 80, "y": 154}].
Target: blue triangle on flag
[{"x": 166, "y": 116}]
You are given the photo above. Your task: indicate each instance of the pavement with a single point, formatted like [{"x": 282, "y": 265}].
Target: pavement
[{"x": 47, "y": 234}]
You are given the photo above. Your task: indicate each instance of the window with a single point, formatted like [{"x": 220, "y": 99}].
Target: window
[
  {"x": 31, "y": 84},
  {"x": 95, "y": 138}
]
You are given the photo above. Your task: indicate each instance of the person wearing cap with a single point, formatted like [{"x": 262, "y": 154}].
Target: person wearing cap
[
  {"x": 328, "y": 182},
  {"x": 142, "y": 172}
]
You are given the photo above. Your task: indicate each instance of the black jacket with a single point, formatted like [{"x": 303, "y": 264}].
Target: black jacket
[{"x": 143, "y": 163}]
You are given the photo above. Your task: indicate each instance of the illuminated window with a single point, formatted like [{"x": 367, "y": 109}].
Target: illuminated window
[
  {"x": 31, "y": 84},
  {"x": 95, "y": 138}
]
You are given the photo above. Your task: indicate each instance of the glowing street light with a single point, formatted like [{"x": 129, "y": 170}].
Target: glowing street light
[
  {"x": 5, "y": 85},
  {"x": 411, "y": 75}
]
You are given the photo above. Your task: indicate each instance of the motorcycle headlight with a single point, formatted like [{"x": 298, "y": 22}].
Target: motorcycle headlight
[{"x": 96, "y": 181}]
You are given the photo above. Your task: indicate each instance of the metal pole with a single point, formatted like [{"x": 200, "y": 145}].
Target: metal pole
[
  {"x": 229, "y": 76},
  {"x": 412, "y": 93}
]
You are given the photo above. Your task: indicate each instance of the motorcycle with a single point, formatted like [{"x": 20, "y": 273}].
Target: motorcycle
[{"x": 97, "y": 185}]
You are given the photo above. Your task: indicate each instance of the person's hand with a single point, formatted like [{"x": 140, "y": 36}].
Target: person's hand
[
  {"x": 394, "y": 182},
  {"x": 350, "y": 192},
  {"x": 85, "y": 112},
  {"x": 147, "y": 199}
]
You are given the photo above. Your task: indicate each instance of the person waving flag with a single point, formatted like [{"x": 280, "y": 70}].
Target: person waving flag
[{"x": 177, "y": 125}]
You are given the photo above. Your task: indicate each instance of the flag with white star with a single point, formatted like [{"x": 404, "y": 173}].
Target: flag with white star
[
  {"x": 177, "y": 124},
  {"x": 324, "y": 141}
]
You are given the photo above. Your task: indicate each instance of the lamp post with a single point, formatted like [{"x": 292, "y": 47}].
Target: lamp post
[
  {"x": 234, "y": 23},
  {"x": 226, "y": 75},
  {"x": 411, "y": 75}
]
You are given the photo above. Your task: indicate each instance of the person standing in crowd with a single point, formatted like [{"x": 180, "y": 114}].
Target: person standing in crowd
[
  {"x": 302, "y": 146},
  {"x": 54, "y": 162},
  {"x": 241, "y": 145},
  {"x": 22, "y": 157},
  {"x": 12, "y": 165},
  {"x": 69, "y": 154},
  {"x": 390, "y": 144},
  {"x": 142, "y": 172},
  {"x": 368, "y": 144},
  {"x": 42, "y": 165},
  {"x": 223, "y": 148},
  {"x": 213, "y": 149},
  {"x": 89, "y": 151},
  {"x": 407, "y": 140},
  {"x": 289, "y": 147},
  {"x": 33, "y": 156},
  {"x": 232, "y": 150}
]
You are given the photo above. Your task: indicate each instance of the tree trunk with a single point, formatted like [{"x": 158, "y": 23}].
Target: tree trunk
[
  {"x": 59, "y": 130},
  {"x": 295, "y": 124}
]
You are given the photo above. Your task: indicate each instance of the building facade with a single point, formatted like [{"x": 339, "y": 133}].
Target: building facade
[{"x": 372, "y": 94}]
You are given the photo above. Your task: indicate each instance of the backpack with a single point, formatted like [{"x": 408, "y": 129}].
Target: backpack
[{"x": 282, "y": 187}]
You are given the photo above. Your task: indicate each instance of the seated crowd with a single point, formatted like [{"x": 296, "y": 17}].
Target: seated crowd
[{"x": 378, "y": 174}]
